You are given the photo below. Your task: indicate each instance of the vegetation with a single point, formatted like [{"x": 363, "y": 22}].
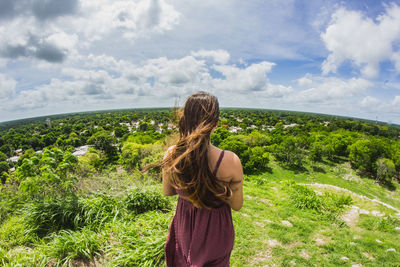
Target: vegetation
[{"x": 309, "y": 185}]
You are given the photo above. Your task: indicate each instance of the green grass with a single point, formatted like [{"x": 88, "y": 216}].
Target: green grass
[{"x": 118, "y": 226}]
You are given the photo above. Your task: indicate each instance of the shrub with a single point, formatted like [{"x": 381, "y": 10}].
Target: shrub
[
  {"x": 69, "y": 245},
  {"x": 257, "y": 161},
  {"x": 303, "y": 197},
  {"x": 136, "y": 156},
  {"x": 139, "y": 243},
  {"x": 142, "y": 200},
  {"x": 52, "y": 215},
  {"x": 98, "y": 209},
  {"x": 383, "y": 224},
  {"x": 13, "y": 233}
]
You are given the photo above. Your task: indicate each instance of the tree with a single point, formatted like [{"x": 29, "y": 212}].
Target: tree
[
  {"x": 3, "y": 157},
  {"x": 4, "y": 167},
  {"x": 385, "y": 170},
  {"x": 258, "y": 160},
  {"x": 364, "y": 154},
  {"x": 317, "y": 150},
  {"x": 289, "y": 152},
  {"x": 119, "y": 131},
  {"x": 103, "y": 141}
]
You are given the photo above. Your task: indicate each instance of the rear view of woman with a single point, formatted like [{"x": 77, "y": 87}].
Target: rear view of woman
[{"x": 209, "y": 183}]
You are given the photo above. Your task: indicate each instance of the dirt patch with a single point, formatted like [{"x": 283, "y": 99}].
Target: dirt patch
[
  {"x": 120, "y": 169},
  {"x": 305, "y": 254},
  {"x": 274, "y": 243},
  {"x": 262, "y": 256},
  {"x": 268, "y": 221},
  {"x": 287, "y": 223},
  {"x": 260, "y": 224},
  {"x": 350, "y": 177},
  {"x": 350, "y": 217},
  {"x": 294, "y": 244},
  {"x": 368, "y": 256},
  {"x": 321, "y": 240}
]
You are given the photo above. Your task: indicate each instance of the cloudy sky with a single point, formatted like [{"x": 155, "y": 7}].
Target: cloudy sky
[{"x": 324, "y": 56}]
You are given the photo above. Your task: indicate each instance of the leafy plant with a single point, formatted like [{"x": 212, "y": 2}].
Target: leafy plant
[
  {"x": 53, "y": 215},
  {"x": 303, "y": 197},
  {"x": 98, "y": 209},
  {"x": 70, "y": 245},
  {"x": 143, "y": 200}
]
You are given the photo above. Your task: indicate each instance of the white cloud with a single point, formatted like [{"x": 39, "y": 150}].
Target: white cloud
[
  {"x": 104, "y": 78},
  {"x": 251, "y": 78},
  {"x": 396, "y": 102},
  {"x": 7, "y": 87},
  {"x": 370, "y": 102},
  {"x": 54, "y": 34},
  {"x": 219, "y": 56},
  {"x": 319, "y": 89},
  {"x": 359, "y": 39},
  {"x": 132, "y": 18},
  {"x": 396, "y": 60}
]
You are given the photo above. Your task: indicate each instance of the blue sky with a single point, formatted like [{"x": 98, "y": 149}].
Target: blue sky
[{"x": 334, "y": 57}]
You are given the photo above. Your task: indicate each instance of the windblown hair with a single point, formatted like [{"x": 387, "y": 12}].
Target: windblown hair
[{"x": 187, "y": 162}]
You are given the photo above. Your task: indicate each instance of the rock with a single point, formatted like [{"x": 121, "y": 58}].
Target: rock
[
  {"x": 260, "y": 224},
  {"x": 273, "y": 243},
  {"x": 318, "y": 192},
  {"x": 352, "y": 244},
  {"x": 320, "y": 241},
  {"x": 397, "y": 228},
  {"x": 304, "y": 254},
  {"x": 344, "y": 258},
  {"x": 356, "y": 265},
  {"x": 391, "y": 249},
  {"x": 377, "y": 213},
  {"x": 378, "y": 241},
  {"x": 245, "y": 215},
  {"x": 287, "y": 223},
  {"x": 367, "y": 255},
  {"x": 361, "y": 211}
]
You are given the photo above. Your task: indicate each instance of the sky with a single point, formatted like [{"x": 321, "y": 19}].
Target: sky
[{"x": 322, "y": 56}]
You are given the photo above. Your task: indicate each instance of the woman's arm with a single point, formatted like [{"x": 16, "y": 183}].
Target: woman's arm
[
  {"x": 167, "y": 188},
  {"x": 236, "y": 184}
]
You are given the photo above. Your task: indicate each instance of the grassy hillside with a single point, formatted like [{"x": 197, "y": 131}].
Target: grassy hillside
[
  {"x": 287, "y": 219},
  {"x": 272, "y": 231}
]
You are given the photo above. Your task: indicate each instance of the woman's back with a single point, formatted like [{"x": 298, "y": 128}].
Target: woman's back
[
  {"x": 201, "y": 233},
  {"x": 200, "y": 237}
]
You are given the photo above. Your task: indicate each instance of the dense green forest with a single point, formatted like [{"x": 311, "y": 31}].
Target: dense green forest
[{"x": 72, "y": 192}]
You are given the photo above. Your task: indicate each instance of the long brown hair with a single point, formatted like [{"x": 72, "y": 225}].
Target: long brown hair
[{"x": 187, "y": 162}]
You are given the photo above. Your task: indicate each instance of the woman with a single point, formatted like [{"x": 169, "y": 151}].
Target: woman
[{"x": 209, "y": 183}]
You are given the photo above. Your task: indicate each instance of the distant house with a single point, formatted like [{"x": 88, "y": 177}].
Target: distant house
[{"x": 48, "y": 122}]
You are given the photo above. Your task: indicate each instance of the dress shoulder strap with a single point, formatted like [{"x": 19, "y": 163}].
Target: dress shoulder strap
[{"x": 221, "y": 155}]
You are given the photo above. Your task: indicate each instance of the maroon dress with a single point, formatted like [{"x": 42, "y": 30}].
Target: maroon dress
[{"x": 200, "y": 237}]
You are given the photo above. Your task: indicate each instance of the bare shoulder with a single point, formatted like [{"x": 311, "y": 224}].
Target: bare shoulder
[
  {"x": 232, "y": 158},
  {"x": 231, "y": 167}
]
